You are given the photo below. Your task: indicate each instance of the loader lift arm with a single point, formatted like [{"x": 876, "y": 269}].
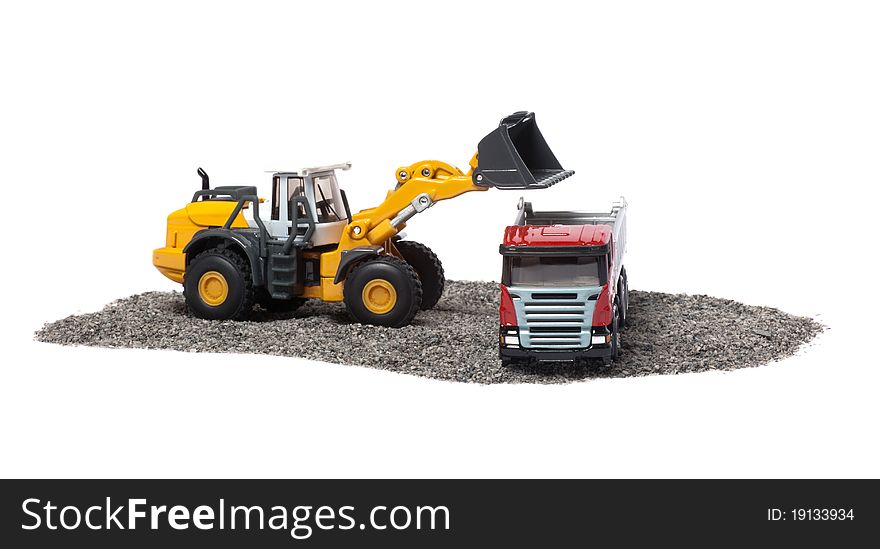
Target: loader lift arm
[
  {"x": 419, "y": 186},
  {"x": 513, "y": 156}
]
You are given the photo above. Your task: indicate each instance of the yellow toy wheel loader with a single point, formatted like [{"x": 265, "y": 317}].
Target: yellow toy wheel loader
[{"x": 311, "y": 246}]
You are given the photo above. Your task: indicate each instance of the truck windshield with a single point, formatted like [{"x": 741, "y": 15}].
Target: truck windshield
[{"x": 554, "y": 271}]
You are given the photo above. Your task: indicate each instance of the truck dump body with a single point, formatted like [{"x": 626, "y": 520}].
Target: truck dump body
[
  {"x": 595, "y": 236},
  {"x": 561, "y": 283}
]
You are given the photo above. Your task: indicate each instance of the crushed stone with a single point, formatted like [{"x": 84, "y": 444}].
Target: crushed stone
[{"x": 455, "y": 341}]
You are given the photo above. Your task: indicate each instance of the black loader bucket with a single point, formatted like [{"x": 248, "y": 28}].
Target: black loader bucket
[{"x": 515, "y": 156}]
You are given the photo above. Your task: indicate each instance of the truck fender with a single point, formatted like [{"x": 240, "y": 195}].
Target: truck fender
[
  {"x": 210, "y": 238},
  {"x": 348, "y": 258}
]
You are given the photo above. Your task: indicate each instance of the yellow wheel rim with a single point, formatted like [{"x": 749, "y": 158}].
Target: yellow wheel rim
[
  {"x": 379, "y": 296},
  {"x": 213, "y": 288}
]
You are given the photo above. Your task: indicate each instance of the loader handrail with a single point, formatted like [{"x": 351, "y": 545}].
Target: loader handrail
[
  {"x": 255, "y": 200},
  {"x": 294, "y": 223},
  {"x": 209, "y": 193}
]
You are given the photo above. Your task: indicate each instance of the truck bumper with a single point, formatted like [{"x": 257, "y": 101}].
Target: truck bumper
[{"x": 552, "y": 355}]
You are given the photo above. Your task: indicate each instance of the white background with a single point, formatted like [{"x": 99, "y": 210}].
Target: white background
[{"x": 744, "y": 134}]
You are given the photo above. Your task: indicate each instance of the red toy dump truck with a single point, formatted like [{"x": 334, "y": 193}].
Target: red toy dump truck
[{"x": 564, "y": 294}]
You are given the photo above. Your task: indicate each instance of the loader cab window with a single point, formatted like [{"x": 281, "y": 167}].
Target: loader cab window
[
  {"x": 295, "y": 188},
  {"x": 276, "y": 190},
  {"x": 327, "y": 202},
  {"x": 554, "y": 271}
]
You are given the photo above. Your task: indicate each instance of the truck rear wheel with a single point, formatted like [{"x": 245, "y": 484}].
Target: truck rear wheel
[
  {"x": 427, "y": 265},
  {"x": 384, "y": 291},
  {"x": 217, "y": 285}
]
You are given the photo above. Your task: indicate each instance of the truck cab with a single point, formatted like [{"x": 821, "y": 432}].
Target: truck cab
[{"x": 564, "y": 294}]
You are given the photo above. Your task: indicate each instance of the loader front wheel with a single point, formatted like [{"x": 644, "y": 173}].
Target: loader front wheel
[
  {"x": 217, "y": 286},
  {"x": 427, "y": 265},
  {"x": 384, "y": 291}
]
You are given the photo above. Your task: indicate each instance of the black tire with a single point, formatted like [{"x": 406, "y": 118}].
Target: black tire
[
  {"x": 264, "y": 299},
  {"x": 615, "y": 338},
  {"x": 236, "y": 273},
  {"x": 427, "y": 265},
  {"x": 624, "y": 298},
  {"x": 385, "y": 271},
  {"x": 512, "y": 362},
  {"x": 615, "y": 335}
]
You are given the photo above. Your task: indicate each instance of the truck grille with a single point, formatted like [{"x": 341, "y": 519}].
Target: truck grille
[
  {"x": 554, "y": 319},
  {"x": 554, "y": 295}
]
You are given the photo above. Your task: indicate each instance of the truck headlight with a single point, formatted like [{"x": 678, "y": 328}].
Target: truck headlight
[
  {"x": 601, "y": 336},
  {"x": 509, "y": 336}
]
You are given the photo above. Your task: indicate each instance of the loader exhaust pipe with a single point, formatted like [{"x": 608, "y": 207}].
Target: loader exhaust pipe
[
  {"x": 206, "y": 186},
  {"x": 516, "y": 156}
]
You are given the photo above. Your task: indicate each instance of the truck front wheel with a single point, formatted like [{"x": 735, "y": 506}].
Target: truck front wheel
[
  {"x": 624, "y": 298},
  {"x": 384, "y": 291},
  {"x": 217, "y": 285},
  {"x": 510, "y": 362},
  {"x": 615, "y": 338}
]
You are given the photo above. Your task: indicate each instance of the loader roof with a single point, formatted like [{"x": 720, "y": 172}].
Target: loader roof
[{"x": 557, "y": 235}]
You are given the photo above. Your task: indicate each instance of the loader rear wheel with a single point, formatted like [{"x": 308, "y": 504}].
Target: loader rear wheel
[
  {"x": 383, "y": 290},
  {"x": 427, "y": 265},
  {"x": 217, "y": 285}
]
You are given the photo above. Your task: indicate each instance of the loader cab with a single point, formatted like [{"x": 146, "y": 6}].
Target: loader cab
[{"x": 313, "y": 194}]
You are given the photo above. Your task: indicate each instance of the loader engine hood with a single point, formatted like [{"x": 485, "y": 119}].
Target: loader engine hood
[
  {"x": 214, "y": 213},
  {"x": 516, "y": 156}
]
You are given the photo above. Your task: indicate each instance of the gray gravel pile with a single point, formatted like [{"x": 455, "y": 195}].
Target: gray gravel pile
[{"x": 457, "y": 340}]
